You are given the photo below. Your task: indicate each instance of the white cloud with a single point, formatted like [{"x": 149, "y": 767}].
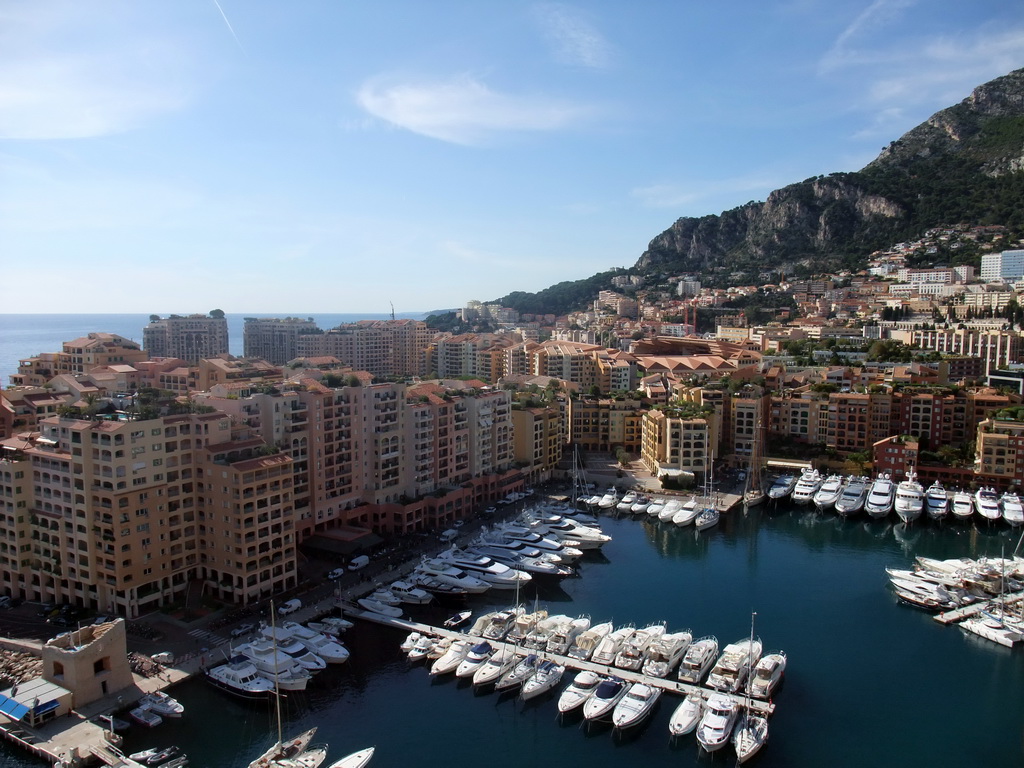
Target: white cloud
[
  {"x": 462, "y": 110},
  {"x": 875, "y": 15},
  {"x": 576, "y": 41},
  {"x": 683, "y": 194},
  {"x": 60, "y": 81}
]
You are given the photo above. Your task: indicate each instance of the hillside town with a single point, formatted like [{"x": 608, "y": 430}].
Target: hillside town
[{"x": 131, "y": 473}]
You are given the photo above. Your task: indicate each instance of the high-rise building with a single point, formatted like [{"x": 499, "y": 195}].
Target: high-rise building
[
  {"x": 190, "y": 337},
  {"x": 275, "y": 339},
  {"x": 381, "y": 347},
  {"x": 1007, "y": 265}
]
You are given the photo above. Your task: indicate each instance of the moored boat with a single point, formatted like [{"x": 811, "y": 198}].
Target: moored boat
[
  {"x": 963, "y": 505},
  {"x": 767, "y": 674},
  {"x": 635, "y": 706},
  {"x": 808, "y": 484},
  {"x": 827, "y": 494},
  {"x": 717, "y": 723},
  {"x": 578, "y": 691},
  {"x": 546, "y": 677},
  {"x": 608, "y": 693},
  {"x": 881, "y": 496},
  {"x": 1013, "y": 511},
  {"x": 355, "y": 760},
  {"x": 749, "y": 736},
  {"x": 494, "y": 667},
  {"x": 708, "y": 518},
  {"x": 698, "y": 659},
  {"x": 987, "y": 504},
  {"x": 686, "y": 716},
  {"x": 162, "y": 704},
  {"x": 781, "y": 487},
  {"x": 145, "y": 716},
  {"x": 851, "y": 500},
  {"x": 909, "y": 503},
  {"x": 936, "y": 501}
]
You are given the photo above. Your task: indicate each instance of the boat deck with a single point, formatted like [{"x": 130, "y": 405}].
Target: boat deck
[
  {"x": 967, "y": 611},
  {"x": 670, "y": 686}
]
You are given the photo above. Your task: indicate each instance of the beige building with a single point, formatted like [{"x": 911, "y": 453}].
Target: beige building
[
  {"x": 539, "y": 439},
  {"x": 275, "y": 339},
  {"x": 381, "y": 347},
  {"x": 676, "y": 443},
  {"x": 190, "y": 337}
]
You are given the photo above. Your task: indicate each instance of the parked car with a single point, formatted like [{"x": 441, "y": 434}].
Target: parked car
[
  {"x": 290, "y": 607},
  {"x": 164, "y": 657},
  {"x": 243, "y": 629}
]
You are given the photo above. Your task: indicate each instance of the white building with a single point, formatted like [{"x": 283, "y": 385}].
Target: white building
[{"x": 1008, "y": 265}]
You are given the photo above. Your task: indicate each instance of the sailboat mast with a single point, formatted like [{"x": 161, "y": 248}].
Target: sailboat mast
[{"x": 277, "y": 692}]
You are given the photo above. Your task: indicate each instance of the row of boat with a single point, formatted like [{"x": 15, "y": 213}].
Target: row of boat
[
  {"x": 512, "y": 650},
  {"x": 879, "y": 497},
  {"x": 667, "y": 510}
]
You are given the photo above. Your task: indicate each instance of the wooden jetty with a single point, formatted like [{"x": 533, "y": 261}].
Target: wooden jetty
[
  {"x": 671, "y": 686},
  {"x": 965, "y": 612}
]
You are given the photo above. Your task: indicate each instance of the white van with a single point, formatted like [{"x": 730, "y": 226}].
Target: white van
[
  {"x": 290, "y": 607},
  {"x": 359, "y": 562},
  {"x": 449, "y": 536}
]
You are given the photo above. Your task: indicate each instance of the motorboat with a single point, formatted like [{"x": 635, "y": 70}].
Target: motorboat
[
  {"x": 609, "y": 647},
  {"x": 963, "y": 505},
  {"x": 708, "y": 518},
  {"x": 627, "y": 501},
  {"x": 881, "y": 496},
  {"x": 686, "y": 716},
  {"x": 564, "y": 548},
  {"x": 578, "y": 691},
  {"x": 826, "y": 496},
  {"x": 670, "y": 509},
  {"x": 687, "y": 513},
  {"x": 293, "y": 753},
  {"x": 376, "y": 606},
  {"x": 655, "y": 507},
  {"x": 501, "y": 622},
  {"x": 503, "y": 550},
  {"x": 156, "y": 756},
  {"x": 609, "y": 500},
  {"x": 451, "y": 659},
  {"x": 324, "y": 646},
  {"x": 808, "y": 484},
  {"x": 749, "y": 735},
  {"x": 544, "y": 630},
  {"x": 385, "y": 596},
  {"x": 496, "y": 665},
  {"x": 987, "y": 504},
  {"x": 498, "y": 575},
  {"x": 1013, "y": 511},
  {"x": 640, "y": 505},
  {"x": 410, "y": 593},
  {"x": 733, "y": 666},
  {"x": 457, "y": 619},
  {"x": 607, "y": 694},
  {"x": 447, "y": 573},
  {"x": 421, "y": 648},
  {"x": 586, "y": 537},
  {"x": 767, "y": 674},
  {"x": 145, "y": 716},
  {"x": 635, "y": 706},
  {"x": 565, "y": 634},
  {"x": 936, "y": 501},
  {"x": 535, "y": 564},
  {"x": 410, "y": 641},
  {"x": 909, "y": 504},
  {"x": 665, "y": 652},
  {"x": 851, "y": 500},
  {"x": 992, "y": 628},
  {"x": 698, "y": 659},
  {"x": 545, "y": 678},
  {"x": 718, "y": 721},
  {"x": 439, "y": 649},
  {"x": 781, "y": 487},
  {"x": 294, "y": 648},
  {"x": 524, "y": 625},
  {"x": 477, "y": 655},
  {"x": 587, "y": 641},
  {"x": 240, "y": 677},
  {"x": 162, "y": 704},
  {"x": 631, "y": 655},
  {"x": 330, "y": 625},
  {"x": 518, "y": 674},
  {"x": 355, "y": 760},
  {"x": 274, "y": 664}
]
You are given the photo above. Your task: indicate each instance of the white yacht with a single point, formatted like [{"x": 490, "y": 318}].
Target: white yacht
[
  {"x": 936, "y": 501},
  {"x": 987, "y": 504},
  {"x": 324, "y": 646},
  {"x": 524, "y": 624},
  {"x": 451, "y": 658},
  {"x": 640, "y": 505},
  {"x": 496, "y": 665},
  {"x": 808, "y": 484},
  {"x": 781, "y": 487},
  {"x": 240, "y": 677},
  {"x": 733, "y": 666},
  {"x": 330, "y": 625},
  {"x": 294, "y": 648},
  {"x": 1013, "y": 511},
  {"x": 544, "y": 630},
  {"x": 708, "y": 518},
  {"x": 655, "y": 507},
  {"x": 546, "y": 677},
  {"x": 631, "y": 655},
  {"x": 609, "y": 647},
  {"x": 851, "y": 500},
  {"x": 271, "y": 662},
  {"x": 718, "y": 721},
  {"x": 608, "y": 693},
  {"x": 627, "y": 501},
  {"x": 749, "y": 736},
  {"x": 421, "y": 648},
  {"x": 825, "y": 497},
  {"x": 162, "y": 704},
  {"x": 472, "y": 661},
  {"x": 376, "y": 606},
  {"x": 909, "y": 502},
  {"x": 963, "y": 505},
  {"x": 672, "y": 506},
  {"x": 698, "y": 659},
  {"x": 686, "y": 716},
  {"x": 881, "y": 496},
  {"x": 523, "y": 558},
  {"x": 687, "y": 513},
  {"x": 410, "y": 593},
  {"x": 566, "y": 549},
  {"x": 385, "y": 596},
  {"x": 447, "y": 573},
  {"x": 565, "y": 634},
  {"x": 665, "y": 652},
  {"x": 636, "y": 705},
  {"x": 610, "y": 499},
  {"x": 561, "y": 528},
  {"x": 501, "y": 622},
  {"x": 588, "y": 640},
  {"x": 767, "y": 674},
  {"x": 522, "y": 671},
  {"x": 578, "y": 691},
  {"x": 498, "y": 575}
]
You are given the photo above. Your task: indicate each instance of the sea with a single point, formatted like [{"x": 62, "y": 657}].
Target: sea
[
  {"x": 870, "y": 681},
  {"x": 22, "y": 336}
]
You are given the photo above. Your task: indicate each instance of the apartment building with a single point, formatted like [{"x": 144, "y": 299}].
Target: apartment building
[
  {"x": 675, "y": 443},
  {"x": 1004, "y": 266},
  {"x": 999, "y": 455},
  {"x": 568, "y": 361},
  {"x": 603, "y": 424},
  {"x": 78, "y": 356},
  {"x": 190, "y": 337},
  {"x": 538, "y": 441},
  {"x": 997, "y": 348},
  {"x": 275, "y": 339},
  {"x": 381, "y": 347}
]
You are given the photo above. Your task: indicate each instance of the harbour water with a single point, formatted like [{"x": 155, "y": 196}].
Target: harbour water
[{"x": 869, "y": 681}]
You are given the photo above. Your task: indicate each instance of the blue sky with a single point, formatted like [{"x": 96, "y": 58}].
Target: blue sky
[{"x": 337, "y": 156}]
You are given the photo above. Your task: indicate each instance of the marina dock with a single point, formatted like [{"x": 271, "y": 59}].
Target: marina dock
[
  {"x": 967, "y": 611},
  {"x": 670, "y": 686}
]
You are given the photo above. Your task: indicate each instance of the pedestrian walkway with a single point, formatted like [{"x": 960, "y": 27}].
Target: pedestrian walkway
[{"x": 204, "y": 634}]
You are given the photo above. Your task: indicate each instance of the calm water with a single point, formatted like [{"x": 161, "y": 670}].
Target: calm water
[
  {"x": 870, "y": 682},
  {"x": 22, "y": 336}
]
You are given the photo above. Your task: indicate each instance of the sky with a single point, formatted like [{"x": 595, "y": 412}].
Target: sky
[{"x": 337, "y": 156}]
